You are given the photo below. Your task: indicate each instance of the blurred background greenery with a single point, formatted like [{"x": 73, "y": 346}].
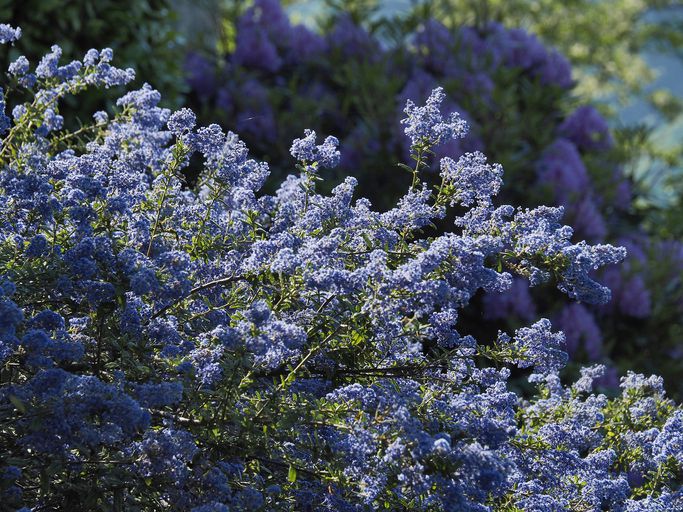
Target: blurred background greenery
[{"x": 143, "y": 34}]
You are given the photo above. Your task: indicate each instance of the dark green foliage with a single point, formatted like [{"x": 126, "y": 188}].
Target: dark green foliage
[{"x": 141, "y": 33}]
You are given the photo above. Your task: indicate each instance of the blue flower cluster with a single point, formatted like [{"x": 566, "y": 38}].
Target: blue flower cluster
[
  {"x": 215, "y": 347},
  {"x": 515, "y": 96}
]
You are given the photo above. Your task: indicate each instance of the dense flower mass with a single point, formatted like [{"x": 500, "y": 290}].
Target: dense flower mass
[
  {"x": 516, "y": 97},
  {"x": 214, "y": 347}
]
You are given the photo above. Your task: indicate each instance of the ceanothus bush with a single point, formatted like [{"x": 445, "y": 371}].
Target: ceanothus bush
[
  {"x": 215, "y": 348},
  {"x": 518, "y": 98}
]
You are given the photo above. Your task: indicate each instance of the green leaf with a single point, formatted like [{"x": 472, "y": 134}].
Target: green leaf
[
  {"x": 18, "y": 404},
  {"x": 291, "y": 474}
]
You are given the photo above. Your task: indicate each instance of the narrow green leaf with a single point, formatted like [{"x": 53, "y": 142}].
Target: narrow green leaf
[
  {"x": 18, "y": 404},
  {"x": 291, "y": 474}
]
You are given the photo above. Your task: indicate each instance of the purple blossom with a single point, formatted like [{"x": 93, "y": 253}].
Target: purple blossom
[
  {"x": 515, "y": 301},
  {"x": 435, "y": 45},
  {"x": 351, "y": 40},
  {"x": 586, "y": 128},
  {"x": 581, "y": 331},
  {"x": 634, "y": 298},
  {"x": 587, "y": 219},
  {"x": 200, "y": 74},
  {"x": 561, "y": 168},
  {"x": 260, "y": 30}
]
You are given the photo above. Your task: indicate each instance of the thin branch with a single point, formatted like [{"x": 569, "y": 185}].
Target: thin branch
[{"x": 197, "y": 289}]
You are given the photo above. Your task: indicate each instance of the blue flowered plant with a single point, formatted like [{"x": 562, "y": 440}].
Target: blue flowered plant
[
  {"x": 212, "y": 347},
  {"x": 516, "y": 95}
]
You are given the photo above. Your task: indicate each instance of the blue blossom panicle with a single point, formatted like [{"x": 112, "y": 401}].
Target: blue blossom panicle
[
  {"x": 19, "y": 67},
  {"x": 106, "y": 55},
  {"x": 638, "y": 383},
  {"x": 575, "y": 279},
  {"x": 51, "y": 122},
  {"x": 166, "y": 453},
  {"x": 145, "y": 102},
  {"x": 426, "y": 124},
  {"x": 7, "y": 287},
  {"x": 669, "y": 442},
  {"x": 473, "y": 177},
  {"x": 47, "y": 67},
  {"x": 307, "y": 152},
  {"x": 11, "y": 316},
  {"x": 222, "y": 348},
  {"x": 37, "y": 247},
  {"x": 47, "y": 319},
  {"x": 472, "y": 62},
  {"x": 91, "y": 57},
  {"x": 100, "y": 117},
  {"x": 541, "y": 348},
  {"x": 228, "y": 157},
  {"x": 5, "y": 121},
  {"x": 85, "y": 412},
  {"x": 182, "y": 121},
  {"x": 212, "y": 507},
  {"x": 18, "y": 111},
  {"x": 589, "y": 375},
  {"x": 205, "y": 362},
  {"x": 9, "y": 34},
  {"x": 159, "y": 395}
]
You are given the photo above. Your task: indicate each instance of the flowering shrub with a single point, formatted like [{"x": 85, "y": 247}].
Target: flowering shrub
[
  {"x": 214, "y": 348},
  {"x": 515, "y": 94}
]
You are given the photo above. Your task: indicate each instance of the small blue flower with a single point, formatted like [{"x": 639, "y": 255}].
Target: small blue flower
[
  {"x": 182, "y": 122},
  {"x": 313, "y": 156},
  {"x": 427, "y": 125},
  {"x": 9, "y": 34}
]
